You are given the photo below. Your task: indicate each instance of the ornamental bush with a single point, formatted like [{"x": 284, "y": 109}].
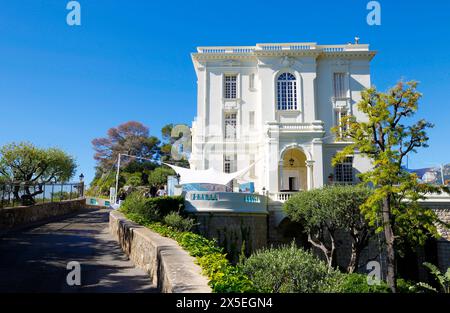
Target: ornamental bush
[
  {"x": 357, "y": 283},
  {"x": 325, "y": 211},
  {"x": 223, "y": 276},
  {"x": 167, "y": 204},
  {"x": 289, "y": 269},
  {"x": 152, "y": 209},
  {"x": 177, "y": 222},
  {"x": 136, "y": 203}
]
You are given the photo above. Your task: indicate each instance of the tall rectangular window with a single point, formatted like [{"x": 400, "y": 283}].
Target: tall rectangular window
[
  {"x": 343, "y": 172},
  {"x": 229, "y": 163},
  {"x": 340, "y": 91},
  {"x": 251, "y": 82},
  {"x": 230, "y": 86},
  {"x": 251, "y": 120},
  {"x": 341, "y": 123},
  {"x": 230, "y": 125}
]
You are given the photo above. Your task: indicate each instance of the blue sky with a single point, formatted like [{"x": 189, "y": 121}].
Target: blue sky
[{"x": 130, "y": 60}]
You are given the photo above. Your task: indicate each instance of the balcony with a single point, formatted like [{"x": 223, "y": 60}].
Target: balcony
[
  {"x": 282, "y": 196},
  {"x": 314, "y": 127}
]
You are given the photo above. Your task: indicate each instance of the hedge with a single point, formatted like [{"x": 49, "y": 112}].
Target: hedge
[{"x": 223, "y": 276}]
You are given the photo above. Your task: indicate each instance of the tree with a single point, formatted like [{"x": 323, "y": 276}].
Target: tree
[
  {"x": 386, "y": 141},
  {"x": 159, "y": 175},
  {"x": 26, "y": 164},
  {"x": 324, "y": 212},
  {"x": 130, "y": 138}
]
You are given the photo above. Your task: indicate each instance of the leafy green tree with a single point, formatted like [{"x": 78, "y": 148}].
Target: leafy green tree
[
  {"x": 133, "y": 179},
  {"x": 325, "y": 212},
  {"x": 27, "y": 164},
  {"x": 159, "y": 175},
  {"x": 386, "y": 141}
]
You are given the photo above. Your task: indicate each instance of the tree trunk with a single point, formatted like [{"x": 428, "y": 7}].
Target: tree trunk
[
  {"x": 390, "y": 250},
  {"x": 354, "y": 258},
  {"x": 16, "y": 190},
  {"x": 327, "y": 251},
  {"x": 360, "y": 240}
]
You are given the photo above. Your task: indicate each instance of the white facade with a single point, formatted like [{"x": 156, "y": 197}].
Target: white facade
[{"x": 275, "y": 104}]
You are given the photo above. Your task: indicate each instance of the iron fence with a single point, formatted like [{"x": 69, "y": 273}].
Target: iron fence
[{"x": 13, "y": 194}]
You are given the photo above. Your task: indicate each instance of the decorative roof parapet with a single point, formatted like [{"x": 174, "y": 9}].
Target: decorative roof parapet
[{"x": 276, "y": 49}]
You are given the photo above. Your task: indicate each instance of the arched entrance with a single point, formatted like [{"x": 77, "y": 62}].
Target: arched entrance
[{"x": 293, "y": 170}]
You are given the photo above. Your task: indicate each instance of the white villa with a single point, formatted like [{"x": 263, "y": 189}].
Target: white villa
[{"x": 274, "y": 105}]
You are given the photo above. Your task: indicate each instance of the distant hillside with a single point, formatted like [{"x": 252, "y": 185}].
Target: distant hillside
[{"x": 433, "y": 175}]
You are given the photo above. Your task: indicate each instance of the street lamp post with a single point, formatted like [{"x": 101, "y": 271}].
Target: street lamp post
[
  {"x": 117, "y": 179},
  {"x": 81, "y": 190}
]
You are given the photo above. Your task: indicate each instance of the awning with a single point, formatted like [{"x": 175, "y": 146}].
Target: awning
[{"x": 209, "y": 176}]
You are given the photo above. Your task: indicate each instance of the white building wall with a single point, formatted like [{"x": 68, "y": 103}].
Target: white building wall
[{"x": 307, "y": 128}]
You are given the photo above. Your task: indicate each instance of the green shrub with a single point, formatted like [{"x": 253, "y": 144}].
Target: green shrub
[
  {"x": 223, "y": 277},
  {"x": 152, "y": 209},
  {"x": 177, "y": 222},
  {"x": 289, "y": 269},
  {"x": 136, "y": 203},
  {"x": 357, "y": 283},
  {"x": 167, "y": 204},
  {"x": 405, "y": 286}
]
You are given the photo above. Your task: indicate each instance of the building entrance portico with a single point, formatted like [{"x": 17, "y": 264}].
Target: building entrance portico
[{"x": 293, "y": 171}]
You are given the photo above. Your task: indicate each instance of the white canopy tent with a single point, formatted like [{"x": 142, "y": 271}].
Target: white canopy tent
[{"x": 209, "y": 176}]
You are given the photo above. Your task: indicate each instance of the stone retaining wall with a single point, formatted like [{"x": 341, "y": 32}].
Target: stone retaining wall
[
  {"x": 170, "y": 268},
  {"x": 232, "y": 229},
  {"x": 21, "y": 216}
]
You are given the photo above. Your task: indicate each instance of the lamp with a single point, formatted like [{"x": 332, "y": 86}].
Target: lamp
[
  {"x": 291, "y": 160},
  {"x": 81, "y": 177}
]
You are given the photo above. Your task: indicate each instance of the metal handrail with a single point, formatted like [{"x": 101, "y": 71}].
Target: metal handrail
[{"x": 25, "y": 194}]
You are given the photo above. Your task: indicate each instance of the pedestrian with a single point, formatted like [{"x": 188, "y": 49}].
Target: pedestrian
[{"x": 161, "y": 192}]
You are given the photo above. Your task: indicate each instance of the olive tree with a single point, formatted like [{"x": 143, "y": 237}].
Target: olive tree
[
  {"x": 26, "y": 164},
  {"x": 323, "y": 212}
]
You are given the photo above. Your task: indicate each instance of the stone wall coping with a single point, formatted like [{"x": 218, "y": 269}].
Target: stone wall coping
[
  {"x": 176, "y": 271},
  {"x": 18, "y": 207},
  {"x": 21, "y": 217}
]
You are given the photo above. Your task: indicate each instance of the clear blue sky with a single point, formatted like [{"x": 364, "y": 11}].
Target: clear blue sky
[{"x": 130, "y": 60}]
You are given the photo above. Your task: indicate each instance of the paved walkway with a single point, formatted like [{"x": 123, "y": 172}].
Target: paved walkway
[{"x": 35, "y": 260}]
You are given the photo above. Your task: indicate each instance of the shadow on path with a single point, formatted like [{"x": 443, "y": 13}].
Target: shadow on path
[{"x": 35, "y": 260}]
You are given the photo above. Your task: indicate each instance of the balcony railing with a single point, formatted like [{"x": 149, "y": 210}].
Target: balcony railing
[
  {"x": 316, "y": 126},
  {"x": 283, "y": 47},
  {"x": 282, "y": 196}
]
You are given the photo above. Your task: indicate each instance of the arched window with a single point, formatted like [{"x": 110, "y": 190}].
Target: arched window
[{"x": 286, "y": 92}]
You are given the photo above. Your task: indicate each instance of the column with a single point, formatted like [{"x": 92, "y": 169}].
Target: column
[
  {"x": 309, "y": 174},
  {"x": 317, "y": 154},
  {"x": 272, "y": 152}
]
